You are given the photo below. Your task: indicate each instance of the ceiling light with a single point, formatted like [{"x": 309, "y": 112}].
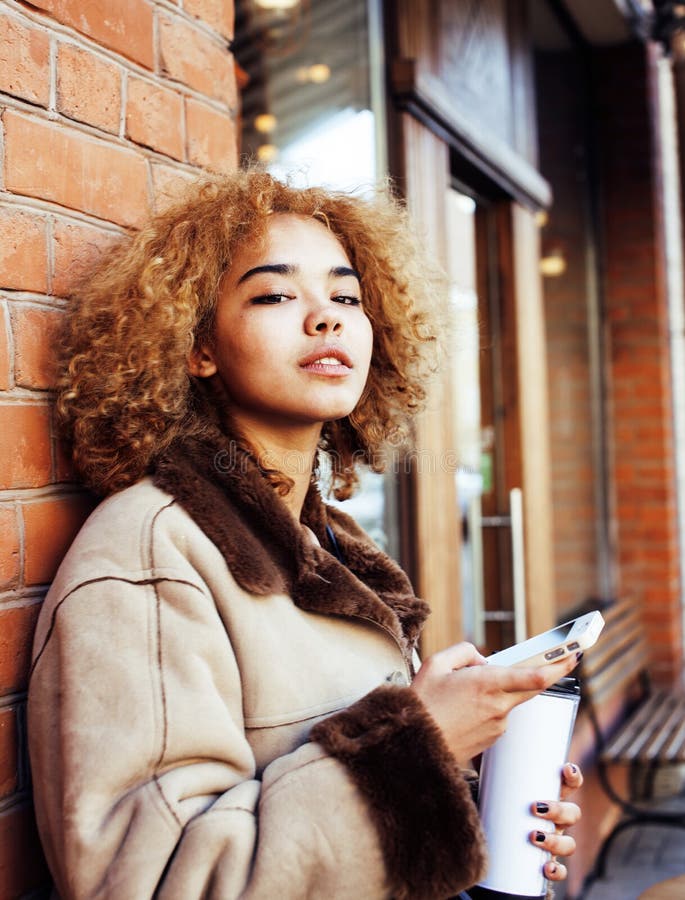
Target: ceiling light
[
  {"x": 553, "y": 263},
  {"x": 316, "y": 74},
  {"x": 319, "y": 73},
  {"x": 277, "y": 4},
  {"x": 267, "y": 153},
  {"x": 265, "y": 123}
]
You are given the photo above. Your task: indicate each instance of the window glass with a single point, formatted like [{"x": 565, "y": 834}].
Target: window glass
[
  {"x": 305, "y": 70},
  {"x": 461, "y": 236}
]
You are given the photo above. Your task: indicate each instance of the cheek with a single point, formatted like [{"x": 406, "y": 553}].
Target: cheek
[
  {"x": 369, "y": 341},
  {"x": 237, "y": 344}
]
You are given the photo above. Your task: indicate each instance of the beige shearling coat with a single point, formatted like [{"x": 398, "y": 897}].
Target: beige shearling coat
[{"x": 219, "y": 708}]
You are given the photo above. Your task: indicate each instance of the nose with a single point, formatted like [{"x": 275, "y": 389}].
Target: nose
[{"x": 325, "y": 318}]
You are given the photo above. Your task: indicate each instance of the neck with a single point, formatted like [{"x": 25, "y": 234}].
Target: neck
[{"x": 292, "y": 453}]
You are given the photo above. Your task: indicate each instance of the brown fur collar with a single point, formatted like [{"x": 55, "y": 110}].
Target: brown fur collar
[{"x": 224, "y": 491}]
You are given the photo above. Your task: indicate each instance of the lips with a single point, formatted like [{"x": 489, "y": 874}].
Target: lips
[{"x": 326, "y": 359}]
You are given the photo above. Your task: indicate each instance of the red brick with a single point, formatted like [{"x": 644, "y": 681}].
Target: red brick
[
  {"x": 34, "y": 331},
  {"x": 88, "y": 88},
  {"x": 17, "y": 624},
  {"x": 662, "y": 614},
  {"x": 154, "y": 117},
  {"x": 25, "y": 457},
  {"x": 9, "y": 757},
  {"x": 5, "y": 379},
  {"x": 24, "y": 61},
  {"x": 23, "y": 251},
  {"x": 9, "y": 548},
  {"x": 49, "y": 528},
  {"x": 218, "y": 14},
  {"x": 75, "y": 248},
  {"x": 125, "y": 26},
  {"x": 637, "y": 425},
  {"x": 168, "y": 184},
  {"x": 22, "y": 864},
  {"x": 211, "y": 138},
  {"x": 663, "y": 637},
  {"x": 64, "y": 468},
  {"x": 67, "y": 167},
  {"x": 194, "y": 59}
]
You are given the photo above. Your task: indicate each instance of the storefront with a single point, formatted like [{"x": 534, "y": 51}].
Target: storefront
[{"x": 534, "y": 143}]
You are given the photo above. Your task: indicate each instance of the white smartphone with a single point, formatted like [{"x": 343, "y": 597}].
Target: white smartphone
[{"x": 551, "y": 646}]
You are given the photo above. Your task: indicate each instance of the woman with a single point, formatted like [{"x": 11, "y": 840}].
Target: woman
[{"x": 222, "y": 701}]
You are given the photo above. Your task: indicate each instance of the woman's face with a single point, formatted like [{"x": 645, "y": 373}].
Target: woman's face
[{"x": 292, "y": 343}]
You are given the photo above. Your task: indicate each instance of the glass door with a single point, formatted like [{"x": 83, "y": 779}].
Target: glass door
[
  {"x": 470, "y": 474},
  {"x": 485, "y": 412}
]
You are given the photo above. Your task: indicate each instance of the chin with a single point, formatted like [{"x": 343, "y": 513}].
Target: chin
[
  {"x": 329, "y": 412},
  {"x": 334, "y": 415}
]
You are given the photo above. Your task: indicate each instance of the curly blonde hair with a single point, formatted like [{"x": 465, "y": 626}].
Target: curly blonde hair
[{"x": 125, "y": 392}]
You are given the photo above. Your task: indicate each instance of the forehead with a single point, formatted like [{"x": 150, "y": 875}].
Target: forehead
[{"x": 291, "y": 238}]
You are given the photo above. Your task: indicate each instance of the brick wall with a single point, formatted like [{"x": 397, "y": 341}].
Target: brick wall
[
  {"x": 636, "y": 360},
  {"x": 103, "y": 107},
  {"x": 638, "y": 356},
  {"x": 638, "y": 426}
]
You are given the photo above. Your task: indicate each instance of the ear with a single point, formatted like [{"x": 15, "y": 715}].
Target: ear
[{"x": 201, "y": 362}]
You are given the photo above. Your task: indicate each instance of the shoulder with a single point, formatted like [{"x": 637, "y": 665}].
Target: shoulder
[{"x": 137, "y": 534}]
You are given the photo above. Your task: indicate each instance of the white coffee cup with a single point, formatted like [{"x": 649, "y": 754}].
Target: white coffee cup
[{"x": 523, "y": 767}]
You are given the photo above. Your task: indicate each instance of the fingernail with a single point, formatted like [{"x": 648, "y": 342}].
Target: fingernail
[
  {"x": 579, "y": 655},
  {"x": 541, "y": 807},
  {"x": 573, "y": 767},
  {"x": 540, "y": 836},
  {"x": 552, "y": 868}
]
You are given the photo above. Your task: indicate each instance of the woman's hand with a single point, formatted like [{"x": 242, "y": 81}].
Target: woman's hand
[
  {"x": 470, "y": 700},
  {"x": 562, "y": 814}
]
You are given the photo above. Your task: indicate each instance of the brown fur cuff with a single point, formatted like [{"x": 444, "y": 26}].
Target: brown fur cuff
[{"x": 419, "y": 800}]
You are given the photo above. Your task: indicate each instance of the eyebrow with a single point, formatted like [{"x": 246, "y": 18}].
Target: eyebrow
[{"x": 287, "y": 269}]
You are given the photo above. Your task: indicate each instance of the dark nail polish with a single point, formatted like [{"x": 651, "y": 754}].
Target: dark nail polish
[
  {"x": 540, "y": 836},
  {"x": 552, "y": 868},
  {"x": 574, "y": 768},
  {"x": 541, "y": 807},
  {"x": 579, "y": 655}
]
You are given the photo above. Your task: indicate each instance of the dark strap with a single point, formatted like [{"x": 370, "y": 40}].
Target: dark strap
[{"x": 334, "y": 544}]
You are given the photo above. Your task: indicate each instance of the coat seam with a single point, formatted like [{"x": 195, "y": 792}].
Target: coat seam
[
  {"x": 303, "y": 715},
  {"x": 198, "y": 821},
  {"x": 160, "y": 667},
  {"x": 136, "y": 582}
]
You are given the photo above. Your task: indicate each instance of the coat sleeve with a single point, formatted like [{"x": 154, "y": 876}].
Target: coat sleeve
[{"x": 145, "y": 783}]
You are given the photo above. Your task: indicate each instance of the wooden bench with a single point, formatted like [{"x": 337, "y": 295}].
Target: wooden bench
[{"x": 649, "y": 739}]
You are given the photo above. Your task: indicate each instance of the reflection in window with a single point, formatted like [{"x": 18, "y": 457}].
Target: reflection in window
[
  {"x": 469, "y": 438},
  {"x": 305, "y": 75},
  {"x": 339, "y": 152}
]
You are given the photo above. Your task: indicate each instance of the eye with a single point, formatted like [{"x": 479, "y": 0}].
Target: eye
[
  {"x": 270, "y": 299},
  {"x": 347, "y": 300}
]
